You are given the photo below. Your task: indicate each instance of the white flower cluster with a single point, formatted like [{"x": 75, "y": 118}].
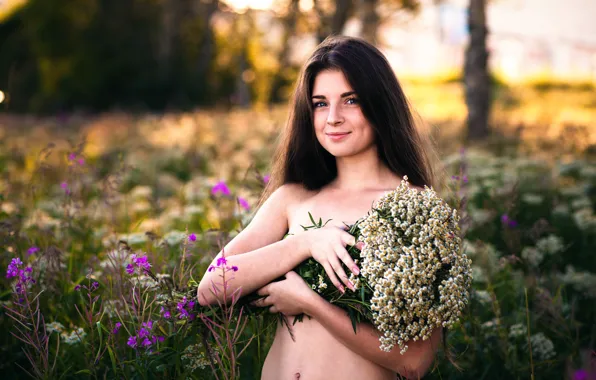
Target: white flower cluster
[
  {"x": 75, "y": 336},
  {"x": 483, "y": 296},
  {"x": 194, "y": 357},
  {"x": 585, "y": 219},
  {"x": 518, "y": 330},
  {"x": 545, "y": 247},
  {"x": 322, "y": 285},
  {"x": 584, "y": 282},
  {"x": 413, "y": 261},
  {"x": 54, "y": 327},
  {"x": 542, "y": 347}
]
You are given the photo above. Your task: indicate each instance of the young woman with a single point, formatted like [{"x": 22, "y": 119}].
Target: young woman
[{"x": 349, "y": 140}]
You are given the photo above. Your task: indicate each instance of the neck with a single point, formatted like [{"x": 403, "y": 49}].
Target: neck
[{"x": 362, "y": 171}]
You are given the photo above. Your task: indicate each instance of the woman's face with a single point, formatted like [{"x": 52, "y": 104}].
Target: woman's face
[{"x": 340, "y": 126}]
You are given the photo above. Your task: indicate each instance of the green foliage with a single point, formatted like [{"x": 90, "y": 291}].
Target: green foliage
[{"x": 534, "y": 270}]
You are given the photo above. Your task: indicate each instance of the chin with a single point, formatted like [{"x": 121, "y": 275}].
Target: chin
[{"x": 337, "y": 153}]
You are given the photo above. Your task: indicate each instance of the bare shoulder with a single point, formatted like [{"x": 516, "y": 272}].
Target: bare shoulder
[{"x": 286, "y": 198}]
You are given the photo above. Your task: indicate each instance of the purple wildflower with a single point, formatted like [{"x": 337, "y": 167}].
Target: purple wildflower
[
  {"x": 143, "y": 332},
  {"x": 116, "y": 328},
  {"x": 192, "y": 237},
  {"x": 94, "y": 285},
  {"x": 580, "y": 374},
  {"x": 148, "y": 324},
  {"x": 243, "y": 203},
  {"x": 211, "y": 268},
  {"x": 234, "y": 268},
  {"x": 81, "y": 161},
  {"x": 72, "y": 156},
  {"x": 13, "y": 268},
  {"x": 183, "y": 307},
  {"x": 77, "y": 288},
  {"x": 132, "y": 341},
  {"x": 32, "y": 250},
  {"x": 266, "y": 178},
  {"x": 161, "y": 338},
  {"x": 141, "y": 262},
  {"x": 220, "y": 187},
  {"x": 64, "y": 186},
  {"x": 507, "y": 221},
  {"x": 165, "y": 313},
  {"x": 147, "y": 342},
  {"x": 221, "y": 261}
]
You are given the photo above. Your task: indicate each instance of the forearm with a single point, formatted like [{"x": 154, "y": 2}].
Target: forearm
[
  {"x": 365, "y": 342},
  {"x": 255, "y": 269}
]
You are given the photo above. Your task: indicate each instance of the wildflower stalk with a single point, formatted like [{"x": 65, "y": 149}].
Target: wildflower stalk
[
  {"x": 529, "y": 340},
  {"x": 30, "y": 328},
  {"x": 220, "y": 325},
  {"x": 92, "y": 320}
]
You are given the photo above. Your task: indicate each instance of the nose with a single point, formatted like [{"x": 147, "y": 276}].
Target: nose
[{"x": 334, "y": 118}]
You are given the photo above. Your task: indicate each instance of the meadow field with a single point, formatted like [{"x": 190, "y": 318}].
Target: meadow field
[{"x": 86, "y": 202}]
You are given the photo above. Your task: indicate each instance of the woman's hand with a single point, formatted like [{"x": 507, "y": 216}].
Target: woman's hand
[
  {"x": 327, "y": 246},
  {"x": 291, "y": 296}
]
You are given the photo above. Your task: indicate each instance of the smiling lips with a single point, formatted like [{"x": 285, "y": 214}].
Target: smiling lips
[{"x": 336, "y": 136}]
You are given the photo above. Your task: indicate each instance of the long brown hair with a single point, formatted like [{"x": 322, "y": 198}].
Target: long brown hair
[{"x": 300, "y": 158}]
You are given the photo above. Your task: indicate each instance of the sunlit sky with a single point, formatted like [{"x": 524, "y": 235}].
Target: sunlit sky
[{"x": 254, "y": 4}]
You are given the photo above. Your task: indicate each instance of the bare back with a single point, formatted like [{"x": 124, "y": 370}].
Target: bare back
[{"x": 315, "y": 353}]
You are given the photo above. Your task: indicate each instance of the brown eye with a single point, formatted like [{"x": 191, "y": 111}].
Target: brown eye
[{"x": 352, "y": 101}]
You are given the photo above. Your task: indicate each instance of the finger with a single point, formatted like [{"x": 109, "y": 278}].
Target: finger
[
  {"x": 291, "y": 274},
  {"x": 263, "y": 302},
  {"x": 345, "y": 257},
  {"x": 348, "y": 239},
  {"x": 273, "y": 309},
  {"x": 333, "y": 277},
  {"x": 264, "y": 291},
  {"x": 341, "y": 273}
]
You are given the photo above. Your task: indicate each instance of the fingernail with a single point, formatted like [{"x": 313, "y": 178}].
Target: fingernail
[
  {"x": 352, "y": 288},
  {"x": 356, "y": 270},
  {"x": 341, "y": 289}
]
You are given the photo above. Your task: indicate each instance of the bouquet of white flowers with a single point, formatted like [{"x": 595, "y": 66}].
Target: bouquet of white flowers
[{"x": 414, "y": 276}]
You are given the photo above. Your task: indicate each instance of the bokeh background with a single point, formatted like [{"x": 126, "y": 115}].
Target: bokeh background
[{"x": 145, "y": 121}]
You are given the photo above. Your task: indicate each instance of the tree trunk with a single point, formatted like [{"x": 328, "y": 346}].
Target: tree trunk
[
  {"x": 343, "y": 10},
  {"x": 476, "y": 77},
  {"x": 206, "y": 52},
  {"x": 290, "y": 23},
  {"x": 370, "y": 20},
  {"x": 333, "y": 24},
  {"x": 169, "y": 20}
]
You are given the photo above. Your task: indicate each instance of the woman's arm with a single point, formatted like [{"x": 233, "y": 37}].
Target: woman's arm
[
  {"x": 413, "y": 364},
  {"x": 257, "y": 251}
]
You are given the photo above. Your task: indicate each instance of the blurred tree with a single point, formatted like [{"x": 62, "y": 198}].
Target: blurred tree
[
  {"x": 476, "y": 77},
  {"x": 281, "y": 79},
  {"x": 207, "y": 9},
  {"x": 333, "y": 16},
  {"x": 97, "y": 54},
  {"x": 372, "y": 20}
]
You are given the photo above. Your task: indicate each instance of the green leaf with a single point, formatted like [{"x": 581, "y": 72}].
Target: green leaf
[
  {"x": 362, "y": 293},
  {"x": 99, "y": 328},
  {"x": 113, "y": 359},
  {"x": 84, "y": 371},
  {"x": 352, "y": 319},
  {"x": 312, "y": 219}
]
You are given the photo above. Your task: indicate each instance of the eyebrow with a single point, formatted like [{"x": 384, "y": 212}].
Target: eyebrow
[{"x": 342, "y": 95}]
